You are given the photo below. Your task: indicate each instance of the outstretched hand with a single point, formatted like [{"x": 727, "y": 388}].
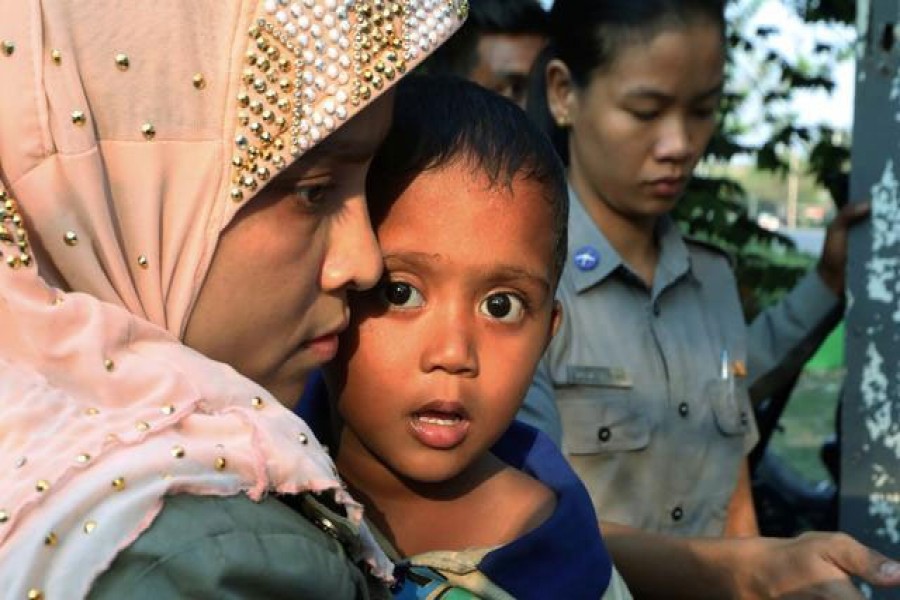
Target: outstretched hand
[
  {"x": 813, "y": 565},
  {"x": 833, "y": 262}
]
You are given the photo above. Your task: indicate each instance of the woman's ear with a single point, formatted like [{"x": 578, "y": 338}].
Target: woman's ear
[{"x": 560, "y": 92}]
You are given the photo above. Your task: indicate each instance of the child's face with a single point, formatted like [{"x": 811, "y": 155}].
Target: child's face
[{"x": 439, "y": 357}]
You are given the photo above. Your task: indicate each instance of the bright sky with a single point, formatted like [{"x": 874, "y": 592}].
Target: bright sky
[{"x": 797, "y": 38}]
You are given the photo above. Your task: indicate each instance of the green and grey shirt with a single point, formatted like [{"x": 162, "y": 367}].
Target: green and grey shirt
[{"x": 648, "y": 388}]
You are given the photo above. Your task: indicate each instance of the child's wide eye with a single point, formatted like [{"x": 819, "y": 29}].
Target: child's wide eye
[
  {"x": 505, "y": 307},
  {"x": 402, "y": 294}
]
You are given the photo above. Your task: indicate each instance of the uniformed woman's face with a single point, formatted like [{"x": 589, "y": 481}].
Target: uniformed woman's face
[{"x": 639, "y": 127}]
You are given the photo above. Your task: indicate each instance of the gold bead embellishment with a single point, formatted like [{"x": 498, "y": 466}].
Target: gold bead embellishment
[
  {"x": 13, "y": 234},
  {"x": 199, "y": 81},
  {"x": 315, "y": 65},
  {"x": 118, "y": 484},
  {"x": 35, "y": 594},
  {"x": 122, "y": 62},
  {"x": 109, "y": 365},
  {"x": 90, "y": 526},
  {"x": 56, "y": 56},
  {"x": 91, "y": 411},
  {"x": 221, "y": 463},
  {"x": 78, "y": 117},
  {"x": 42, "y": 485},
  {"x": 304, "y": 440},
  {"x": 178, "y": 451},
  {"x": 168, "y": 409},
  {"x": 4, "y": 516},
  {"x": 257, "y": 403},
  {"x": 51, "y": 539},
  {"x": 71, "y": 238},
  {"x": 83, "y": 458},
  {"x": 8, "y": 48},
  {"x": 148, "y": 131},
  {"x": 142, "y": 426},
  {"x": 143, "y": 262}
]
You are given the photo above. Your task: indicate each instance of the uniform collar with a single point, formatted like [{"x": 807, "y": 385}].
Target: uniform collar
[{"x": 584, "y": 235}]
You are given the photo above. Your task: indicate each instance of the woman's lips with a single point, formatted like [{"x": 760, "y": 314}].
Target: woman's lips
[
  {"x": 323, "y": 347},
  {"x": 667, "y": 187},
  {"x": 440, "y": 425}
]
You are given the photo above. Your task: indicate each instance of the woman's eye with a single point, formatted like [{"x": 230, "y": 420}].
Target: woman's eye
[
  {"x": 313, "y": 194},
  {"x": 402, "y": 295},
  {"x": 505, "y": 307},
  {"x": 644, "y": 115}
]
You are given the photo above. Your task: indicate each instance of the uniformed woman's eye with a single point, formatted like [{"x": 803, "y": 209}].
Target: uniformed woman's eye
[
  {"x": 402, "y": 295},
  {"x": 503, "y": 306}
]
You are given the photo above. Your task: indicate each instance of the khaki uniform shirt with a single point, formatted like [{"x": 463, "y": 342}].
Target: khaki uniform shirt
[{"x": 649, "y": 387}]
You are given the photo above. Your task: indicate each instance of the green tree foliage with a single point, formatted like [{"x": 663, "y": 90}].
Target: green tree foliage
[{"x": 767, "y": 263}]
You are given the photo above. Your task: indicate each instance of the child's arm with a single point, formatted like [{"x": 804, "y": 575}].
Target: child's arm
[{"x": 812, "y": 565}]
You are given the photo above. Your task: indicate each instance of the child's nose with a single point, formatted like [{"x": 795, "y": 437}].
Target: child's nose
[{"x": 450, "y": 347}]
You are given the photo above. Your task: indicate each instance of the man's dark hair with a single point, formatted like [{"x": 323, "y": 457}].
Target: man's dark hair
[
  {"x": 442, "y": 119},
  {"x": 459, "y": 55}
]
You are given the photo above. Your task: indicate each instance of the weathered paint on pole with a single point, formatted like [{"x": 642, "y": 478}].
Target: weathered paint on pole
[{"x": 870, "y": 448}]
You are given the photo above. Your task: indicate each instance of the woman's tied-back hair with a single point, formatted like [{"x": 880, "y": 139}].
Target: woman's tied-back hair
[
  {"x": 588, "y": 36},
  {"x": 443, "y": 119}
]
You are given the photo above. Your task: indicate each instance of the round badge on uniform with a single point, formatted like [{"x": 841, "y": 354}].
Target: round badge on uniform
[{"x": 586, "y": 258}]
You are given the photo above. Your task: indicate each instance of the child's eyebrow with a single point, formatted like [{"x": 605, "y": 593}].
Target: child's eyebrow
[{"x": 496, "y": 273}]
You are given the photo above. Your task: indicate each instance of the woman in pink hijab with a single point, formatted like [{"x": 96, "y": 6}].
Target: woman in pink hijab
[{"x": 182, "y": 214}]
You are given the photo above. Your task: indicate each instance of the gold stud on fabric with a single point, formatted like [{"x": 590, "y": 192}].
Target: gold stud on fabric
[
  {"x": 143, "y": 262},
  {"x": 199, "y": 81},
  {"x": 78, "y": 117},
  {"x": 42, "y": 485},
  {"x": 51, "y": 539},
  {"x": 83, "y": 458},
  {"x": 109, "y": 365},
  {"x": 8, "y": 47},
  {"x": 4, "y": 516},
  {"x": 304, "y": 440},
  {"x": 71, "y": 238},
  {"x": 35, "y": 594},
  {"x": 148, "y": 131},
  {"x": 91, "y": 411},
  {"x": 56, "y": 56},
  {"x": 168, "y": 409},
  {"x": 90, "y": 526},
  {"x": 142, "y": 426},
  {"x": 257, "y": 402},
  {"x": 221, "y": 463},
  {"x": 118, "y": 484},
  {"x": 177, "y": 451},
  {"x": 122, "y": 62}
]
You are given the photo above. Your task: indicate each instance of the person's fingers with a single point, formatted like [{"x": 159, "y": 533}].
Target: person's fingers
[
  {"x": 851, "y": 213},
  {"x": 856, "y": 559}
]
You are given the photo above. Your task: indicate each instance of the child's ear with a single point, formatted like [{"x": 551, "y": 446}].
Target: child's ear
[
  {"x": 556, "y": 318},
  {"x": 560, "y": 93}
]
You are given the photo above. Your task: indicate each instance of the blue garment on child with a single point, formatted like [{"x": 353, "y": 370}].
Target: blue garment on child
[{"x": 564, "y": 557}]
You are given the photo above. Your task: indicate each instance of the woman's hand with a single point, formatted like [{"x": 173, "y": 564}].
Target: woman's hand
[{"x": 832, "y": 265}]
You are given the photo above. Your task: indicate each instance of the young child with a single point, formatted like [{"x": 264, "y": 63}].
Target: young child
[{"x": 468, "y": 201}]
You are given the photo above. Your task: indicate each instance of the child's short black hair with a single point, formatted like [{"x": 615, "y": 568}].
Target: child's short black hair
[{"x": 439, "y": 119}]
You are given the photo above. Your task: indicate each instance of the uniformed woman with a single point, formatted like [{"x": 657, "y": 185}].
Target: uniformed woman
[{"x": 651, "y": 369}]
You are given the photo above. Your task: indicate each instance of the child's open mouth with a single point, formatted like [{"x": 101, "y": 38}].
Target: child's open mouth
[{"x": 440, "y": 425}]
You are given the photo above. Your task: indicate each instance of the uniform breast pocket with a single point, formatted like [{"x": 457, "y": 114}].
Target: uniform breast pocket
[
  {"x": 730, "y": 404},
  {"x": 594, "y": 424}
]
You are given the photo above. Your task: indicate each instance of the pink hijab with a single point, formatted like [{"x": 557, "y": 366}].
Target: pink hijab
[{"x": 130, "y": 135}]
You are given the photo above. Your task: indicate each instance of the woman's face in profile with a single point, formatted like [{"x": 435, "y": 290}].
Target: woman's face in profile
[{"x": 274, "y": 300}]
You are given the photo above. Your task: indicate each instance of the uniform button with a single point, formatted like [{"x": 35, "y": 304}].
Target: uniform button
[
  {"x": 656, "y": 309},
  {"x": 684, "y": 409},
  {"x": 744, "y": 418},
  {"x": 677, "y": 513},
  {"x": 604, "y": 434}
]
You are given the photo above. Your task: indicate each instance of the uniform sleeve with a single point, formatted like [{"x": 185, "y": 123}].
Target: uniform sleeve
[
  {"x": 539, "y": 409},
  {"x": 782, "y": 338},
  {"x": 184, "y": 555}
]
